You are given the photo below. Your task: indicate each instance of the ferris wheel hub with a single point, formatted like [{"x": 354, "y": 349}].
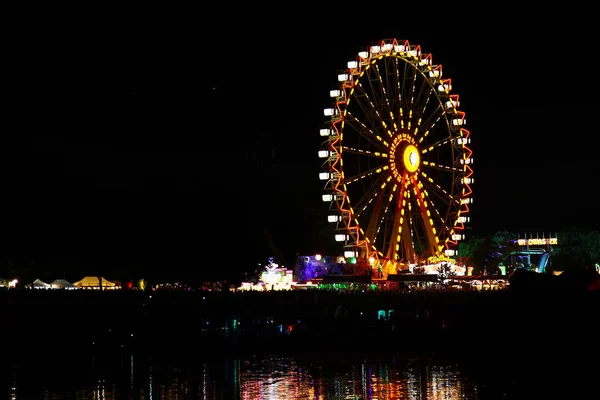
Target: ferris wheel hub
[
  {"x": 411, "y": 158},
  {"x": 405, "y": 156}
]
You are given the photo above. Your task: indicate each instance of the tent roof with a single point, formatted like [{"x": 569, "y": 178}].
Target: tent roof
[
  {"x": 61, "y": 282},
  {"x": 39, "y": 283},
  {"x": 94, "y": 281}
]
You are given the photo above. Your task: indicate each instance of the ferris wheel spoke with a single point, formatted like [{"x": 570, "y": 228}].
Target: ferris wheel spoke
[
  {"x": 367, "y": 153},
  {"x": 413, "y": 91},
  {"x": 429, "y": 216},
  {"x": 442, "y": 228},
  {"x": 433, "y": 205},
  {"x": 428, "y": 111},
  {"x": 366, "y": 174},
  {"x": 400, "y": 99},
  {"x": 451, "y": 200},
  {"x": 393, "y": 221},
  {"x": 444, "y": 168},
  {"x": 371, "y": 198},
  {"x": 371, "y": 109},
  {"x": 405, "y": 83},
  {"x": 422, "y": 111},
  {"x": 439, "y": 195},
  {"x": 434, "y": 184},
  {"x": 446, "y": 141},
  {"x": 384, "y": 98},
  {"x": 363, "y": 131},
  {"x": 430, "y": 123},
  {"x": 413, "y": 88}
]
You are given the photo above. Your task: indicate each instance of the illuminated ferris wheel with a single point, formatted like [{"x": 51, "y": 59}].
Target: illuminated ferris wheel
[{"x": 396, "y": 165}]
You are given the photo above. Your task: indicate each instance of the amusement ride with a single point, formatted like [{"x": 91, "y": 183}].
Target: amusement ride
[{"x": 396, "y": 165}]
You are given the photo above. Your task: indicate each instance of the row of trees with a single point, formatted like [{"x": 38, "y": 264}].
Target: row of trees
[{"x": 575, "y": 250}]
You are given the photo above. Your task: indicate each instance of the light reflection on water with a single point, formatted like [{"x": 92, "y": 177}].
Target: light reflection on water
[
  {"x": 284, "y": 378},
  {"x": 264, "y": 377}
]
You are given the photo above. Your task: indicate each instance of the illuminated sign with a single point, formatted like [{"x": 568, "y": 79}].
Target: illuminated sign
[
  {"x": 437, "y": 260},
  {"x": 537, "y": 241}
]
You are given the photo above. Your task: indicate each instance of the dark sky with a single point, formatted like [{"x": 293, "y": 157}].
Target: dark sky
[{"x": 161, "y": 142}]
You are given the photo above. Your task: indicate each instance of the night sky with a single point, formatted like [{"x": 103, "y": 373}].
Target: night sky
[{"x": 173, "y": 144}]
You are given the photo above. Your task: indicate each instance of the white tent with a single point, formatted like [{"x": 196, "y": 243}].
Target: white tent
[
  {"x": 62, "y": 284},
  {"x": 39, "y": 284}
]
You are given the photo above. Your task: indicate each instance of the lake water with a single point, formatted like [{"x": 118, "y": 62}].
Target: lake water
[{"x": 320, "y": 375}]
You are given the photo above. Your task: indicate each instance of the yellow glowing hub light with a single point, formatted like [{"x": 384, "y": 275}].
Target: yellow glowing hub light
[{"x": 411, "y": 158}]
